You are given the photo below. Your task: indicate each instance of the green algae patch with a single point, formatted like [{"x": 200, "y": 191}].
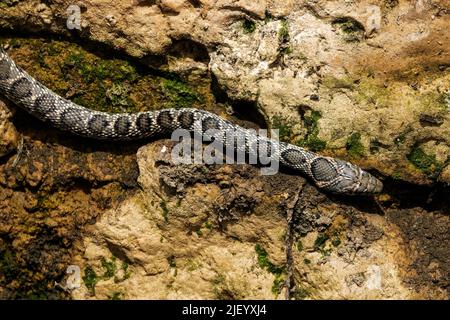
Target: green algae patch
[
  {"x": 397, "y": 175},
  {"x": 283, "y": 33},
  {"x": 300, "y": 294},
  {"x": 278, "y": 272},
  {"x": 8, "y": 266},
  {"x": 284, "y": 38},
  {"x": 179, "y": 94},
  {"x": 109, "y": 267},
  {"x": 284, "y": 128},
  {"x": 372, "y": 93},
  {"x": 90, "y": 278},
  {"x": 332, "y": 82},
  {"x": 263, "y": 261},
  {"x": 350, "y": 29},
  {"x": 249, "y": 26},
  {"x": 366, "y": 90},
  {"x": 427, "y": 163},
  {"x": 434, "y": 101},
  {"x": 165, "y": 210},
  {"x": 115, "y": 296},
  {"x": 299, "y": 245},
  {"x": 311, "y": 140},
  {"x": 320, "y": 241},
  {"x": 102, "y": 82},
  {"x": 355, "y": 148}
]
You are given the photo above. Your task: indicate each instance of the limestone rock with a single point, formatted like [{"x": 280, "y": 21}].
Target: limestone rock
[
  {"x": 366, "y": 81},
  {"x": 9, "y": 135}
]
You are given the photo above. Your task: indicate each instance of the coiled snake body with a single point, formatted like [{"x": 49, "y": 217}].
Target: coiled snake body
[{"x": 19, "y": 87}]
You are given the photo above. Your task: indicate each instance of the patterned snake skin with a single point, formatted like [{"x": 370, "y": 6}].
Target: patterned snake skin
[{"x": 329, "y": 174}]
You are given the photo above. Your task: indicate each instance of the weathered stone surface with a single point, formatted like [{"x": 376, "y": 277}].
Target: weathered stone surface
[
  {"x": 8, "y": 133},
  {"x": 367, "y": 81}
]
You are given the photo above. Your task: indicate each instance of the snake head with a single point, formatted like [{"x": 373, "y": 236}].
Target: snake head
[{"x": 339, "y": 176}]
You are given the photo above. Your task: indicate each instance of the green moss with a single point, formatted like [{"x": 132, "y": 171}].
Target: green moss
[
  {"x": 249, "y": 26},
  {"x": 336, "y": 241},
  {"x": 397, "y": 175},
  {"x": 109, "y": 267},
  {"x": 315, "y": 144},
  {"x": 115, "y": 296},
  {"x": 94, "y": 69},
  {"x": 332, "y": 82},
  {"x": 103, "y": 82},
  {"x": 284, "y": 128},
  {"x": 444, "y": 99},
  {"x": 171, "y": 261},
  {"x": 283, "y": 33},
  {"x": 351, "y": 29},
  {"x": 369, "y": 92},
  {"x": 284, "y": 38},
  {"x": 300, "y": 294},
  {"x": 425, "y": 162},
  {"x": 208, "y": 225},
  {"x": 320, "y": 241},
  {"x": 218, "y": 280},
  {"x": 192, "y": 265},
  {"x": 400, "y": 139},
  {"x": 433, "y": 101},
  {"x": 311, "y": 122},
  {"x": 90, "y": 278},
  {"x": 264, "y": 262},
  {"x": 165, "y": 211},
  {"x": 267, "y": 16},
  {"x": 63, "y": 64},
  {"x": 126, "y": 272},
  {"x": 179, "y": 94},
  {"x": 278, "y": 284},
  {"x": 312, "y": 141},
  {"x": 354, "y": 146},
  {"x": 119, "y": 96},
  {"x": 278, "y": 272},
  {"x": 8, "y": 266},
  {"x": 299, "y": 245}
]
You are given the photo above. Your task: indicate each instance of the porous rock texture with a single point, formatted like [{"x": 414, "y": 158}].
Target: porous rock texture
[{"x": 367, "y": 81}]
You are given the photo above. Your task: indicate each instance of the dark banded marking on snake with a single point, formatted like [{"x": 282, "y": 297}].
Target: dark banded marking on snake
[
  {"x": 144, "y": 122},
  {"x": 186, "y": 120},
  {"x": 98, "y": 123},
  {"x": 22, "y": 87},
  {"x": 165, "y": 120},
  {"x": 122, "y": 125},
  {"x": 209, "y": 123}
]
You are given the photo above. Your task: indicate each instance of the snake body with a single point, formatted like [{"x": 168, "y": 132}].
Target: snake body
[{"x": 19, "y": 87}]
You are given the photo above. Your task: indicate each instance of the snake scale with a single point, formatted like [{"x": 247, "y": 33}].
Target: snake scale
[{"x": 20, "y": 88}]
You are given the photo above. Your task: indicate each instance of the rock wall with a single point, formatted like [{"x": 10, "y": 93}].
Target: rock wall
[{"x": 366, "y": 81}]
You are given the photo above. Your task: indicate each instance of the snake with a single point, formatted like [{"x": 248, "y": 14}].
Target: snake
[{"x": 328, "y": 174}]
